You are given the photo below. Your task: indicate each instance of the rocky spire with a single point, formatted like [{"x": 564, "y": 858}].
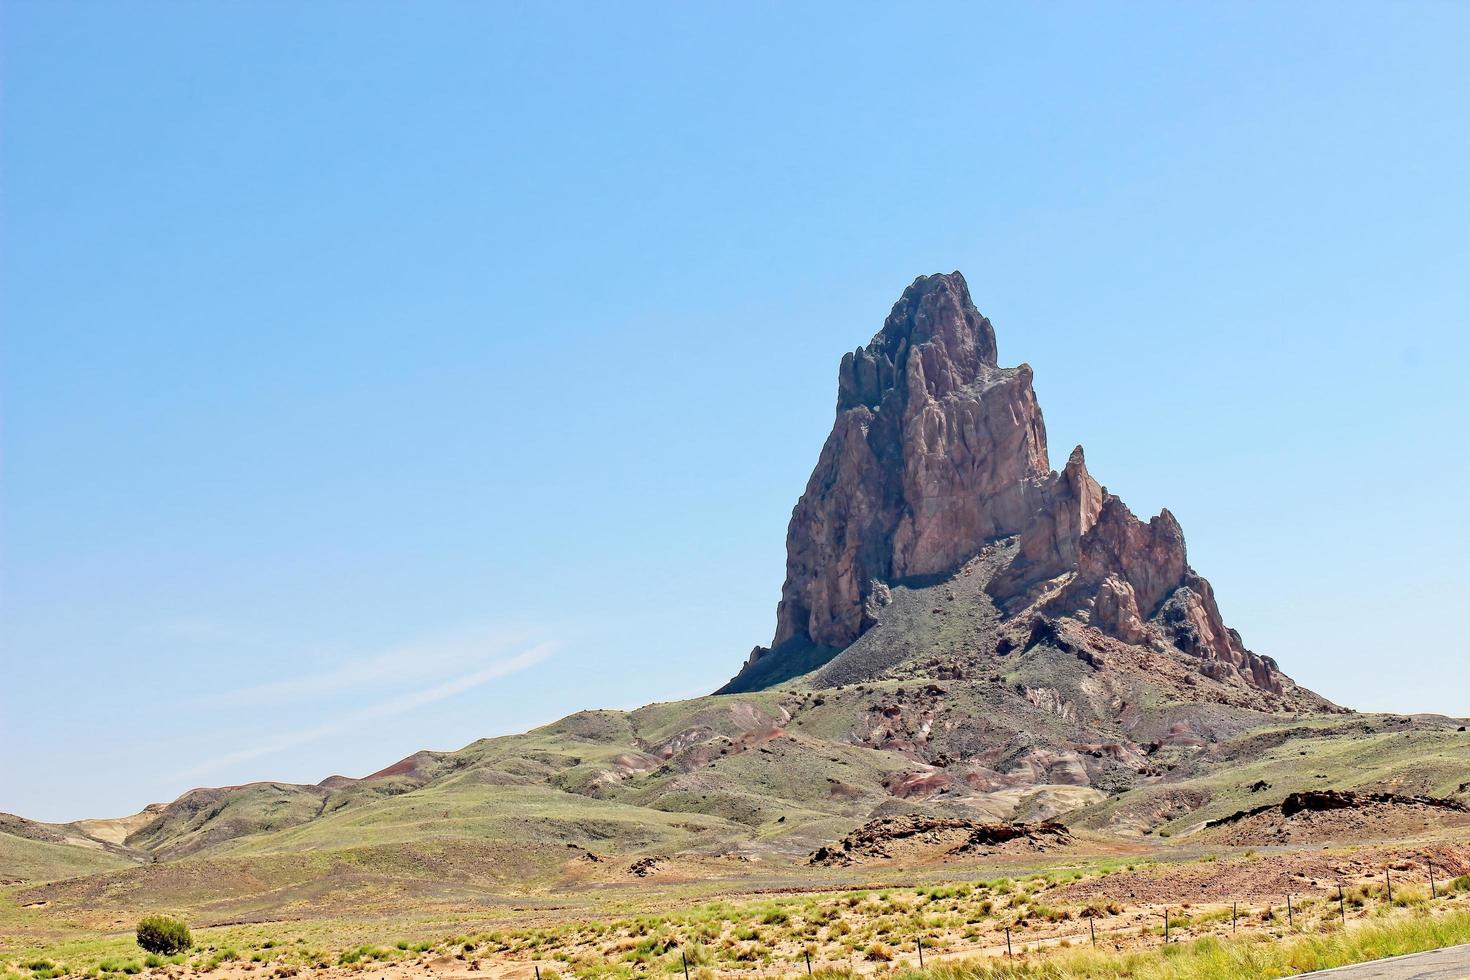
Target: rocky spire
[{"x": 935, "y": 450}]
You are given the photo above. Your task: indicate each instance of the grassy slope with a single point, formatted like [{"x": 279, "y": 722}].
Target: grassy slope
[
  {"x": 203, "y": 817},
  {"x": 460, "y": 839},
  {"x": 461, "y": 808},
  {"x": 1373, "y": 753},
  {"x": 564, "y": 783},
  {"x": 34, "y": 860},
  {"x": 501, "y": 812}
]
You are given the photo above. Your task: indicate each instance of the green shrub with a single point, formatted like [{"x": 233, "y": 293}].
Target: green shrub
[
  {"x": 163, "y": 935},
  {"x": 220, "y": 957}
]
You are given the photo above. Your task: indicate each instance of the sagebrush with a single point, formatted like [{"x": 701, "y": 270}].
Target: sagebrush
[{"x": 163, "y": 935}]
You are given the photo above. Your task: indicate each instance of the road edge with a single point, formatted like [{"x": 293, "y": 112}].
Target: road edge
[{"x": 1385, "y": 959}]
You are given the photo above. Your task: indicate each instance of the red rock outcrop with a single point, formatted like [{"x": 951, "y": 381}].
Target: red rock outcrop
[
  {"x": 938, "y": 452},
  {"x": 1051, "y": 544},
  {"x": 936, "y": 449},
  {"x": 1083, "y": 554}
]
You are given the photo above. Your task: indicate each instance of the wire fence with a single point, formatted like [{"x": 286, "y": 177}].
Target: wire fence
[
  {"x": 1299, "y": 912},
  {"x": 1311, "y": 910}
]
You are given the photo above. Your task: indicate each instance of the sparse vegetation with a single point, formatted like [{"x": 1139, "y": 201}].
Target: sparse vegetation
[
  {"x": 1051, "y": 916},
  {"x": 1214, "y": 958}
]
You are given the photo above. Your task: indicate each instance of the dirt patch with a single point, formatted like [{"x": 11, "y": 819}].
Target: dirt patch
[
  {"x": 1268, "y": 878},
  {"x": 937, "y": 838}
]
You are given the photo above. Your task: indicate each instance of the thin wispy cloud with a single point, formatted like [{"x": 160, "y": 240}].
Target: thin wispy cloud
[
  {"x": 434, "y": 656},
  {"x": 398, "y": 705}
]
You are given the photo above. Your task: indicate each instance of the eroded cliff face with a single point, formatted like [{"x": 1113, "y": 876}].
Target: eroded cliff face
[
  {"x": 936, "y": 449},
  {"x": 1084, "y": 555},
  {"x": 939, "y": 454}
]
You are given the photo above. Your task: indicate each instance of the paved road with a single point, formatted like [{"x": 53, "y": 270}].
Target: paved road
[{"x": 1438, "y": 964}]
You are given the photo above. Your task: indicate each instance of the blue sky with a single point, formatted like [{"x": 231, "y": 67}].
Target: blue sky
[{"x": 383, "y": 376}]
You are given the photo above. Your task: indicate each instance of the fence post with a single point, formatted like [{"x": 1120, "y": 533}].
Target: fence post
[
  {"x": 1092, "y": 928},
  {"x": 1233, "y": 926},
  {"x": 538, "y": 970},
  {"x": 1166, "y": 925},
  {"x": 808, "y": 954},
  {"x": 1389, "y": 882},
  {"x": 1290, "y": 918},
  {"x": 1341, "y": 904},
  {"x": 1432, "y": 892},
  {"x": 1008, "y": 940}
]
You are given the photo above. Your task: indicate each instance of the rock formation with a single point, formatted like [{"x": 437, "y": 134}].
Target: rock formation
[
  {"x": 935, "y": 451},
  {"x": 937, "y": 454},
  {"x": 886, "y": 838}
]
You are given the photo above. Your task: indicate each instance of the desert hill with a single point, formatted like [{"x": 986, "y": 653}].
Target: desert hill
[{"x": 733, "y": 786}]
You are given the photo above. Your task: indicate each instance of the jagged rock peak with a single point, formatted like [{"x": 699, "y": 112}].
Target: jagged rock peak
[
  {"x": 1084, "y": 555},
  {"x": 935, "y": 313},
  {"x": 937, "y": 457},
  {"x": 935, "y": 450}
]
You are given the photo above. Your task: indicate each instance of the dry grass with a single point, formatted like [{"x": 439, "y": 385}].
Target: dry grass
[
  {"x": 1259, "y": 955},
  {"x": 963, "y": 927}
]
